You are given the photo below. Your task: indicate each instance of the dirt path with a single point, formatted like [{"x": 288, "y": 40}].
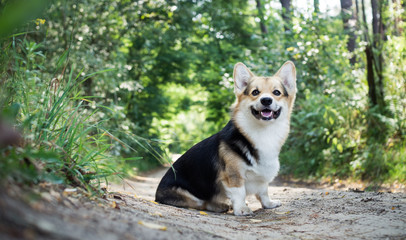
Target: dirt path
[{"x": 130, "y": 213}]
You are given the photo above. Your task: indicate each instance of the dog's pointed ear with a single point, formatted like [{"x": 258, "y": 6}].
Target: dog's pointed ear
[
  {"x": 288, "y": 75},
  {"x": 241, "y": 76}
]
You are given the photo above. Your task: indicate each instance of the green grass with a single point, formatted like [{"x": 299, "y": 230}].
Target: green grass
[
  {"x": 64, "y": 140},
  {"x": 67, "y": 137}
]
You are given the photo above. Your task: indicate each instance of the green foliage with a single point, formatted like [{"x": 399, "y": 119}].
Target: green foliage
[
  {"x": 184, "y": 124},
  {"x": 15, "y": 13},
  {"x": 334, "y": 131},
  {"x": 63, "y": 140}
]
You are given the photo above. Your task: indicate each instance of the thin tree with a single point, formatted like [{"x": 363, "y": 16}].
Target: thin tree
[
  {"x": 286, "y": 14},
  {"x": 369, "y": 58},
  {"x": 373, "y": 52},
  {"x": 349, "y": 22},
  {"x": 378, "y": 30},
  {"x": 262, "y": 26},
  {"x": 403, "y": 18},
  {"x": 316, "y": 5}
]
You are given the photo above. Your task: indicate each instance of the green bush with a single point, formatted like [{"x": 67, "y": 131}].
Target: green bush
[{"x": 64, "y": 140}]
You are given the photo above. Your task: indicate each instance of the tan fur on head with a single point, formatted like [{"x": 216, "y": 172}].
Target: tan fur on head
[
  {"x": 287, "y": 74},
  {"x": 245, "y": 82},
  {"x": 242, "y": 75}
]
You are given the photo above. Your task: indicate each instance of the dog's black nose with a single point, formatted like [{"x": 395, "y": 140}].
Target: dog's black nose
[{"x": 266, "y": 101}]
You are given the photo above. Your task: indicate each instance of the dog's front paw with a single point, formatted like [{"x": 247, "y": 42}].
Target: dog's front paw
[
  {"x": 243, "y": 211},
  {"x": 272, "y": 204}
]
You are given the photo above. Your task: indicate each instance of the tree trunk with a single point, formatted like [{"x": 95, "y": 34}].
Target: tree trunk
[
  {"x": 403, "y": 17},
  {"x": 374, "y": 56},
  {"x": 381, "y": 26},
  {"x": 378, "y": 38},
  {"x": 262, "y": 26},
  {"x": 369, "y": 59},
  {"x": 316, "y": 5},
  {"x": 286, "y": 14},
  {"x": 375, "y": 17},
  {"x": 349, "y": 22},
  {"x": 371, "y": 76}
]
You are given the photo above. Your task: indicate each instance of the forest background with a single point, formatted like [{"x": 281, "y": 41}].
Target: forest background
[{"x": 110, "y": 88}]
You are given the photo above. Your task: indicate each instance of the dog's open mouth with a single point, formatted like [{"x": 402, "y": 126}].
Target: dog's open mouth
[{"x": 266, "y": 113}]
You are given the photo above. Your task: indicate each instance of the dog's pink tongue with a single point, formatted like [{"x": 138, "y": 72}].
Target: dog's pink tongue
[{"x": 266, "y": 113}]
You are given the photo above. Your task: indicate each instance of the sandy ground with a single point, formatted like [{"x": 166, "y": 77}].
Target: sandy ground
[{"x": 128, "y": 212}]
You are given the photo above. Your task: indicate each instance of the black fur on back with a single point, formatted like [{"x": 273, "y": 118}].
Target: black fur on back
[{"x": 196, "y": 171}]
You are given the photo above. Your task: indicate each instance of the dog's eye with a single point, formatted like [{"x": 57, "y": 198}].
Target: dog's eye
[
  {"x": 255, "y": 92},
  {"x": 276, "y": 92}
]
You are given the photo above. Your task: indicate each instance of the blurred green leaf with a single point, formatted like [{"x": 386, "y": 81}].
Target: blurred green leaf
[{"x": 15, "y": 13}]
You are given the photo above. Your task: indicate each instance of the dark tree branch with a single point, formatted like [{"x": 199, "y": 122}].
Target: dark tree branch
[
  {"x": 264, "y": 30},
  {"x": 349, "y": 23},
  {"x": 286, "y": 14}
]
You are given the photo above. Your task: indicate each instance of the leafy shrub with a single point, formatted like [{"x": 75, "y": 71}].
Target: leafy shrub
[{"x": 63, "y": 140}]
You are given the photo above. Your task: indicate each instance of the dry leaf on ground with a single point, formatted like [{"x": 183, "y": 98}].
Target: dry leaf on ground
[{"x": 153, "y": 225}]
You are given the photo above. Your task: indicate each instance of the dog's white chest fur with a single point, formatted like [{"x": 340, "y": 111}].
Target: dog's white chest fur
[
  {"x": 268, "y": 141},
  {"x": 258, "y": 176}
]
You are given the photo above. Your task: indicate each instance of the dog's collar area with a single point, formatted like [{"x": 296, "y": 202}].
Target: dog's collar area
[{"x": 266, "y": 114}]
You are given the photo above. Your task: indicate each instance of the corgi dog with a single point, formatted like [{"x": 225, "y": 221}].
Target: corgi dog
[{"x": 242, "y": 158}]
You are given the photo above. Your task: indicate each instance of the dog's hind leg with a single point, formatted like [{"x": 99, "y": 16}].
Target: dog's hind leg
[
  {"x": 217, "y": 207},
  {"x": 179, "y": 197},
  {"x": 219, "y": 203}
]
